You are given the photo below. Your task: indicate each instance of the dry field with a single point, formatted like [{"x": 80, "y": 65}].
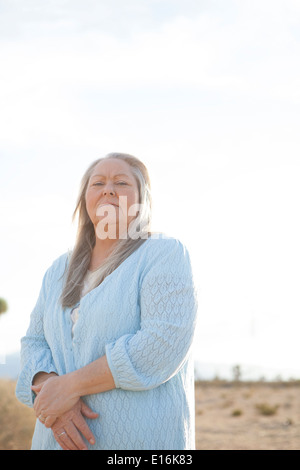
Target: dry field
[
  {"x": 248, "y": 416},
  {"x": 229, "y": 416},
  {"x": 16, "y": 420}
]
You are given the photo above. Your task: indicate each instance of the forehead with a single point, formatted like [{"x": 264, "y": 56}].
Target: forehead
[{"x": 111, "y": 167}]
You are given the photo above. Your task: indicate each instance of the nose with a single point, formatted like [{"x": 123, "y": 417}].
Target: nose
[{"x": 108, "y": 189}]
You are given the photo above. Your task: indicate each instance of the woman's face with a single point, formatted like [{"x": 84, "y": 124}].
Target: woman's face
[{"x": 112, "y": 189}]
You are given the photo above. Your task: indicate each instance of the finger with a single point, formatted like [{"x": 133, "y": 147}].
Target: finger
[
  {"x": 37, "y": 388},
  {"x": 49, "y": 421},
  {"x": 65, "y": 442},
  {"x": 87, "y": 412},
  {"x": 37, "y": 406},
  {"x": 83, "y": 427},
  {"x": 42, "y": 419},
  {"x": 62, "y": 444},
  {"x": 75, "y": 436},
  {"x": 57, "y": 437}
]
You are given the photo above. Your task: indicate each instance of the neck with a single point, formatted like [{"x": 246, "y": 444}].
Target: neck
[
  {"x": 104, "y": 246},
  {"x": 101, "y": 251}
]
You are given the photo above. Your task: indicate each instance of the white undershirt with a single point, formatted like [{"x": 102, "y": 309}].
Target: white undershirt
[{"x": 88, "y": 285}]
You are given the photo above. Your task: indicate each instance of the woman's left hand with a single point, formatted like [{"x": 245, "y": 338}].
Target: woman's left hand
[{"x": 55, "y": 396}]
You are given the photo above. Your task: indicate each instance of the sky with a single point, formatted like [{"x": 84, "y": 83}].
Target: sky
[{"x": 206, "y": 94}]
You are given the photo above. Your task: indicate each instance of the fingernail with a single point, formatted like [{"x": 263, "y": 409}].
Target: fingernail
[{"x": 92, "y": 441}]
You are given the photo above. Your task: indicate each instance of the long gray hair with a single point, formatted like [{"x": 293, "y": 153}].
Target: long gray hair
[{"x": 81, "y": 254}]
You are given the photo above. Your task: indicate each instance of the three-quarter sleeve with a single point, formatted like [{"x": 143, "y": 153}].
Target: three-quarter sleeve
[
  {"x": 35, "y": 352},
  {"x": 168, "y": 305}
]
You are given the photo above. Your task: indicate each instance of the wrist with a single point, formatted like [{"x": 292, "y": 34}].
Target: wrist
[
  {"x": 72, "y": 384},
  {"x": 93, "y": 378}
]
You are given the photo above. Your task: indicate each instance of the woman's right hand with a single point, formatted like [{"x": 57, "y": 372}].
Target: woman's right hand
[{"x": 69, "y": 428}]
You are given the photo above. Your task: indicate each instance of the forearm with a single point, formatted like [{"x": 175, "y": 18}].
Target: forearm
[
  {"x": 40, "y": 377},
  {"x": 95, "y": 377},
  {"x": 59, "y": 394}
]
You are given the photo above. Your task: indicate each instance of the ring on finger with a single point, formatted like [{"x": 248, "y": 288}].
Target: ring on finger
[
  {"x": 42, "y": 418},
  {"x": 64, "y": 432}
]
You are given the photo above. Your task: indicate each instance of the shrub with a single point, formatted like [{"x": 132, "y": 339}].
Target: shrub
[
  {"x": 236, "y": 412},
  {"x": 265, "y": 409},
  {"x": 3, "y": 306}
]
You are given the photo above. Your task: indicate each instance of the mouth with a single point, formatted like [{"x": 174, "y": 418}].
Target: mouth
[{"x": 107, "y": 204}]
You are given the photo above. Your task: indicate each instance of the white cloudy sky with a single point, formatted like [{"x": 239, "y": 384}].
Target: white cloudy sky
[{"x": 207, "y": 94}]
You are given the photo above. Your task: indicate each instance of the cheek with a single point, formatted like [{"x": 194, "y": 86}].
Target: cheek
[
  {"x": 90, "y": 200},
  {"x": 87, "y": 202},
  {"x": 133, "y": 201},
  {"x": 133, "y": 198}
]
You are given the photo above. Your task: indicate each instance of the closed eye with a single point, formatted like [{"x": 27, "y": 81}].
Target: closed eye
[{"x": 99, "y": 183}]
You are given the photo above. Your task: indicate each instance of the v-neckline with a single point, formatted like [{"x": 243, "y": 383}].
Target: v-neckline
[{"x": 109, "y": 276}]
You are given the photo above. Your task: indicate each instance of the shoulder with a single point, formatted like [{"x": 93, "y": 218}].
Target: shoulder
[
  {"x": 61, "y": 261},
  {"x": 161, "y": 243},
  {"x": 58, "y": 266},
  {"x": 164, "y": 253}
]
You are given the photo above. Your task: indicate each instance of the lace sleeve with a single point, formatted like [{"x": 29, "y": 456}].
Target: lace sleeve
[
  {"x": 168, "y": 304},
  {"x": 35, "y": 352}
]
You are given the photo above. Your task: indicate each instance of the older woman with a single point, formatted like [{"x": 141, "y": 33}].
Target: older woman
[{"x": 106, "y": 360}]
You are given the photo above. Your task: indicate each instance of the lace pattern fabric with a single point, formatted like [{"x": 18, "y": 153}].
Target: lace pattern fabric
[
  {"x": 142, "y": 316},
  {"x": 89, "y": 282}
]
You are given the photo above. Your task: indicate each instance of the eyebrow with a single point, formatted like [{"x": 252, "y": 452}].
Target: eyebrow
[{"x": 115, "y": 176}]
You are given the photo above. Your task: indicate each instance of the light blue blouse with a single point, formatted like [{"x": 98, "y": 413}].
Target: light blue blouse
[{"x": 142, "y": 316}]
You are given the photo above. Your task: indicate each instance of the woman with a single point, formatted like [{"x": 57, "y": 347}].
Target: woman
[{"x": 106, "y": 360}]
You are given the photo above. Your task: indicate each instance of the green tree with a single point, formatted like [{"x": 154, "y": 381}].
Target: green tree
[{"x": 3, "y": 306}]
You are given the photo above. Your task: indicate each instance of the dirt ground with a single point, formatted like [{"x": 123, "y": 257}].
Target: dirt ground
[
  {"x": 247, "y": 416},
  {"x": 229, "y": 416}
]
